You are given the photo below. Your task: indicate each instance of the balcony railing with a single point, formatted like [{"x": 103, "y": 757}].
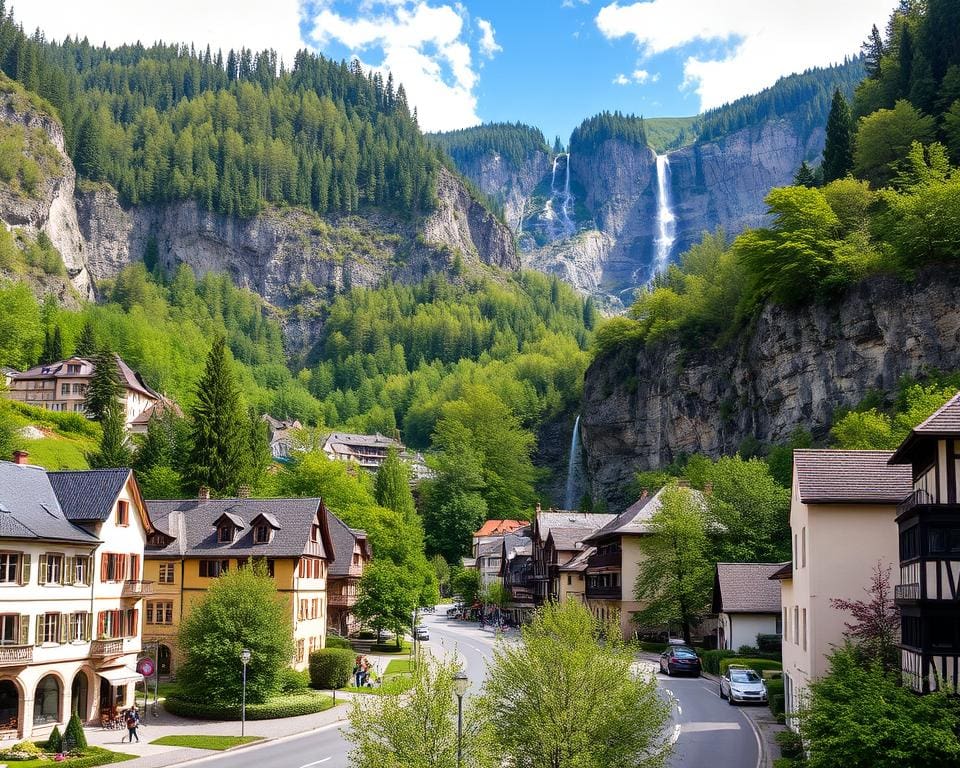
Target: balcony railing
[
  {"x": 102, "y": 648},
  {"x": 906, "y": 592},
  {"x": 604, "y": 593},
  {"x": 137, "y": 588},
  {"x": 918, "y": 498},
  {"x": 15, "y": 655},
  {"x": 341, "y": 601},
  {"x": 605, "y": 559}
]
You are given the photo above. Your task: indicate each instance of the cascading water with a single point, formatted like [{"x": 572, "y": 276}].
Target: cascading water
[
  {"x": 574, "y": 470},
  {"x": 568, "y": 226},
  {"x": 557, "y": 210},
  {"x": 666, "y": 221}
]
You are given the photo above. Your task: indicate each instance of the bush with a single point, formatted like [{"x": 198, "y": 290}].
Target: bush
[
  {"x": 791, "y": 745},
  {"x": 294, "y": 681},
  {"x": 651, "y": 647},
  {"x": 770, "y": 643},
  {"x": 55, "y": 742},
  {"x": 331, "y": 667},
  {"x": 783, "y": 762},
  {"x": 757, "y": 665},
  {"x": 290, "y": 705},
  {"x": 74, "y": 735},
  {"x": 778, "y": 706},
  {"x": 711, "y": 660},
  {"x": 335, "y": 641},
  {"x": 747, "y": 650},
  {"x": 366, "y": 634}
]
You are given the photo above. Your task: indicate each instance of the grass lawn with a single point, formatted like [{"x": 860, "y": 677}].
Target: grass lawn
[
  {"x": 399, "y": 666},
  {"x": 205, "y": 742},
  {"x": 103, "y": 757},
  {"x": 164, "y": 689},
  {"x": 390, "y": 648},
  {"x": 397, "y": 678}
]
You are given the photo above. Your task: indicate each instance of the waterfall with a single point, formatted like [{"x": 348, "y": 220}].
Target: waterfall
[
  {"x": 568, "y": 226},
  {"x": 666, "y": 221},
  {"x": 557, "y": 209},
  {"x": 574, "y": 470}
]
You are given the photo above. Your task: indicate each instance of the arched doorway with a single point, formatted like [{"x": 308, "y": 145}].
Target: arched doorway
[
  {"x": 163, "y": 659},
  {"x": 9, "y": 705},
  {"x": 79, "y": 700},
  {"x": 46, "y": 701}
]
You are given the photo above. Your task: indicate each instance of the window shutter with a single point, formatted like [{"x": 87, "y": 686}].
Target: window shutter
[
  {"x": 87, "y": 626},
  {"x": 101, "y": 623},
  {"x": 135, "y": 623},
  {"x": 69, "y": 573},
  {"x": 134, "y": 567},
  {"x": 103, "y": 566},
  {"x": 25, "y": 570},
  {"x": 42, "y": 575},
  {"x": 24, "y": 629},
  {"x": 64, "y": 627},
  {"x": 39, "y": 629}
]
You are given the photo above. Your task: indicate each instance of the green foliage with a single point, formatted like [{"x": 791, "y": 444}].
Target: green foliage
[
  {"x": 838, "y": 148},
  {"x": 288, "y": 705},
  {"x": 112, "y": 450},
  {"x": 514, "y": 142},
  {"x": 241, "y": 609},
  {"x": 295, "y": 681},
  {"x": 420, "y": 729},
  {"x": 564, "y": 698},
  {"x": 387, "y": 597},
  {"x": 160, "y": 482},
  {"x": 205, "y": 741},
  {"x": 330, "y": 668},
  {"x": 467, "y": 583},
  {"x": 607, "y": 126},
  {"x": 790, "y": 742},
  {"x": 884, "y": 137},
  {"x": 858, "y": 716},
  {"x": 872, "y": 429},
  {"x": 74, "y": 733},
  {"x": 337, "y": 642},
  {"x": 757, "y": 665},
  {"x": 667, "y": 133},
  {"x": 9, "y": 440},
  {"x": 711, "y": 659},
  {"x": 55, "y": 741},
  {"x": 391, "y": 487},
  {"x": 105, "y": 388}
]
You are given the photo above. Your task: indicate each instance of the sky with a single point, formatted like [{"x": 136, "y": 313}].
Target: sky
[{"x": 548, "y": 63}]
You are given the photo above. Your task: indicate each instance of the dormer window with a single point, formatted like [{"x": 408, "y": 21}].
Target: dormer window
[
  {"x": 315, "y": 532},
  {"x": 228, "y": 525},
  {"x": 264, "y": 525},
  {"x": 261, "y": 534},
  {"x": 225, "y": 534}
]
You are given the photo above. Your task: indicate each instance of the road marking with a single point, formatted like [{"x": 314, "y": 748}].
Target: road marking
[
  {"x": 676, "y": 734},
  {"x": 316, "y": 762},
  {"x": 723, "y": 725}
]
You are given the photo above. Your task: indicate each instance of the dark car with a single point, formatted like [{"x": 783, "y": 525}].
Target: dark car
[{"x": 680, "y": 659}]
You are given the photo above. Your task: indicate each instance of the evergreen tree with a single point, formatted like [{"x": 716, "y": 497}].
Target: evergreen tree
[
  {"x": 87, "y": 341},
  {"x": 46, "y": 356},
  {"x": 259, "y": 456},
  {"x": 873, "y": 53},
  {"x": 217, "y": 430},
  {"x": 56, "y": 345},
  {"x": 112, "y": 450},
  {"x": 804, "y": 176},
  {"x": 158, "y": 445},
  {"x": 105, "y": 386},
  {"x": 838, "y": 150},
  {"x": 392, "y": 485},
  {"x": 589, "y": 314},
  {"x": 90, "y": 152}
]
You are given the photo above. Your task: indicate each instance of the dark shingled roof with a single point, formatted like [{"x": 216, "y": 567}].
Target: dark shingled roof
[
  {"x": 785, "y": 571},
  {"x": 945, "y": 422},
  {"x": 853, "y": 477},
  {"x": 344, "y": 538},
  {"x": 88, "y": 494},
  {"x": 746, "y": 588},
  {"x": 635, "y": 519},
  {"x": 29, "y": 508},
  {"x": 197, "y": 537}
]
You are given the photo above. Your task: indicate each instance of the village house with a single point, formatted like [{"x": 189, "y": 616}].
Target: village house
[
  {"x": 747, "y": 603},
  {"x": 205, "y": 537},
  {"x": 370, "y": 451},
  {"x": 928, "y": 587},
  {"x": 281, "y": 436},
  {"x": 516, "y": 568},
  {"x": 71, "y": 547},
  {"x": 842, "y": 522},
  {"x": 62, "y": 386},
  {"x": 161, "y": 406},
  {"x": 352, "y": 555}
]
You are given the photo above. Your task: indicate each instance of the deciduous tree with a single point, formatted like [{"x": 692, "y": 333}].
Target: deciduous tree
[
  {"x": 388, "y": 595},
  {"x": 875, "y": 624}
]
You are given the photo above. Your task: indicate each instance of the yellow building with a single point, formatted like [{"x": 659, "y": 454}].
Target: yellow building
[{"x": 290, "y": 536}]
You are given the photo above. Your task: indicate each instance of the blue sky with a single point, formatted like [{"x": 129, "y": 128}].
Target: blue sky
[{"x": 550, "y": 63}]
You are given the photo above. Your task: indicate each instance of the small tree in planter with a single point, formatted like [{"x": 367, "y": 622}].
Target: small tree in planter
[
  {"x": 74, "y": 736},
  {"x": 55, "y": 742}
]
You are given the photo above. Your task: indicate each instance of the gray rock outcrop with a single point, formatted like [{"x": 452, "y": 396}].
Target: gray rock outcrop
[{"x": 791, "y": 368}]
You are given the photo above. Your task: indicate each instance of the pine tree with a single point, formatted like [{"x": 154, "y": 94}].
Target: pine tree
[
  {"x": 46, "y": 356},
  {"x": 873, "y": 52},
  {"x": 589, "y": 314},
  {"x": 159, "y": 443},
  {"x": 217, "y": 431},
  {"x": 258, "y": 456},
  {"x": 112, "y": 450},
  {"x": 90, "y": 153},
  {"x": 56, "y": 345},
  {"x": 105, "y": 387},
  {"x": 804, "y": 176},
  {"x": 87, "y": 342},
  {"x": 392, "y": 485},
  {"x": 838, "y": 149}
]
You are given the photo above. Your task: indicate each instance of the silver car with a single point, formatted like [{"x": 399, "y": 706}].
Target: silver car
[{"x": 740, "y": 685}]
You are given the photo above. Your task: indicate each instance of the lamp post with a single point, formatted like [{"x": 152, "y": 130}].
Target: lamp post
[
  {"x": 460, "y": 684},
  {"x": 245, "y": 658}
]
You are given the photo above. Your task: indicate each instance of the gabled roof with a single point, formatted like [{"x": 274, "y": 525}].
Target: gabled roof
[
  {"x": 88, "y": 495},
  {"x": 370, "y": 441},
  {"x": 161, "y": 406},
  {"x": 29, "y": 508},
  {"x": 268, "y": 518},
  {"x": 230, "y": 518},
  {"x": 488, "y": 548},
  {"x": 587, "y": 521},
  {"x": 944, "y": 422},
  {"x": 746, "y": 588},
  {"x": 578, "y": 563},
  {"x": 635, "y": 519},
  {"x": 192, "y": 522},
  {"x": 498, "y": 527},
  {"x": 854, "y": 477},
  {"x": 130, "y": 378},
  {"x": 344, "y": 541},
  {"x": 785, "y": 571}
]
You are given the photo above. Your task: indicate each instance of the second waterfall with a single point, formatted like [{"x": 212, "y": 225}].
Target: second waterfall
[{"x": 666, "y": 221}]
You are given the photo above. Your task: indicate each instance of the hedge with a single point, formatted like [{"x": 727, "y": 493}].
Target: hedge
[
  {"x": 333, "y": 641},
  {"x": 711, "y": 660},
  {"x": 331, "y": 667},
  {"x": 294, "y": 681},
  {"x": 776, "y": 696},
  {"x": 649, "y": 647},
  {"x": 757, "y": 665},
  {"x": 288, "y": 705}
]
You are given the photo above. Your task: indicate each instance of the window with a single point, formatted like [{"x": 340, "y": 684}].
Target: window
[
  {"x": 51, "y": 569},
  {"x": 73, "y": 368},
  {"x": 78, "y": 389},
  {"x": 9, "y": 629},
  {"x": 910, "y": 543},
  {"x": 46, "y": 701},
  {"x": 166, "y": 573},
  {"x": 261, "y": 534},
  {"x": 786, "y": 634},
  {"x": 315, "y": 532},
  {"x": 803, "y": 627},
  {"x": 569, "y": 579},
  {"x": 212, "y": 568},
  {"x": 299, "y": 651},
  {"x": 79, "y": 627},
  {"x": 81, "y": 570},
  {"x": 311, "y": 568},
  {"x": 9, "y": 568},
  {"x": 803, "y": 547},
  {"x": 796, "y": 625},
  {"x": 910, "y": 628},
  {"x": 64, "y": 389},
  {"x": 779, "y": 628},
  {"x": 50, "y": 628},
  {"x": 160, "y": 612},
  {"x": 113, "y": 567},
  {"x": 225, "y": 534},
  {"x": 123, "y": 513},
  {"x": 943, "y": 632},
  {"x": 113, "y": 625}
]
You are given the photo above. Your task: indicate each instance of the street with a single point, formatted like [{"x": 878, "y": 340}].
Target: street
[{"x": 709, "y": 733}]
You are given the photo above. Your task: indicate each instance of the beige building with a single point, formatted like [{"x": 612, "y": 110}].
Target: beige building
[
  {"x": 842, "y": 522},
  {"x": 352, "y": 555},
  {"x": 62, "y": 386},
  {"x": 71, "y": 592},
  {"x": 746, "y": 602},
  {"x": 551, "y": 552}
]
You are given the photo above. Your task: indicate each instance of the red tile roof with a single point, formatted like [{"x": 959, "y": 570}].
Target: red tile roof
[
  {"x": 498, "y": 527},
  {"x": 855, "y": 477}
]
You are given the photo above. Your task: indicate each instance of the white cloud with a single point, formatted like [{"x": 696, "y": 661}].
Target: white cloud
[
  {"x": 488, "y": 43},
  {"x": 760, "y": 41},
  {"x": 221, "y": 23},
  {"x": 423, "y": 45},
  {"x": 640, "y": 76},
  {"x": 621, "y": 79},
  {"x": 637, "y": 77}
]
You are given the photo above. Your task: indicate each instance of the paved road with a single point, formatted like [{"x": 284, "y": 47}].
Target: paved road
[{"x": 709, "y": 733}]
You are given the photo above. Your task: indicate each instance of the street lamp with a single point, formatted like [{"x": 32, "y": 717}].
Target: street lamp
[
  {"x": 245, "y": 658},
  {"x": 460, "y": 684}
]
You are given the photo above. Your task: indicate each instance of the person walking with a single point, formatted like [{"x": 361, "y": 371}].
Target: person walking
[
  {"x": 132, "y": 721},
  {"x": 358, "y": 672}
]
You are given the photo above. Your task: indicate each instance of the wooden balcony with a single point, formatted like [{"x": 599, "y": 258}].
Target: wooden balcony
[
  {"x": 604, "y": 593},
  {"x": 341, "y": 601},
  {"x": 917, "y": 498},
  {"x": 100, "y": 649},
  {"x": 906, "y": 592},
  {"x": 137, "y": 589},
  {"x": 15, "y": 655},
  {"x": 605, "y": 560}
]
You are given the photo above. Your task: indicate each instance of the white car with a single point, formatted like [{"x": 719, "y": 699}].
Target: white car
[
  {"x": 421, "y": 633},
  {"x": 741, "y": 685}
]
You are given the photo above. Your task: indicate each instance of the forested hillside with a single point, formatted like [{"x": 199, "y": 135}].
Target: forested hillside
[{"x": 515, "y": 142}]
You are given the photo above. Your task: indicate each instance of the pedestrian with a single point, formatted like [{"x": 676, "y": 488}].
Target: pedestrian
[
  {"x": 358, "y": 672},
  {"x": 132, "y": 720}
]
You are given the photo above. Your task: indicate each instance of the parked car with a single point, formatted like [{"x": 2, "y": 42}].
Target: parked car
[
  {"x": 421, "y": 633},
  {"x": 680, "y": 659},
  {"x": 741, "y": 685},
  {"x": 453, "y": 612}
]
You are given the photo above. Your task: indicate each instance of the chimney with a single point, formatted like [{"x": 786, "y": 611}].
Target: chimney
[
  {"x": 707, "y": 489},
  {"x": 20, "y": 457},
  {"x": 204, "y": 493},
  {"x": 243, "y": 492},
  {"x": 683, "y": 483}
]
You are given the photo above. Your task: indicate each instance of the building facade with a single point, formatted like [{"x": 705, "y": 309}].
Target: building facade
[
  {"x": 747, "y": 603},
  {"x": 203, "y": 538},
  {"x": 352, "y": 555}
]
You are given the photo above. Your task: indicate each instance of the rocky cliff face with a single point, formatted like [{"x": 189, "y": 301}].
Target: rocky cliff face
[
  {"x": 791, "y": 368},
  {"x": 509, "y": 183}
]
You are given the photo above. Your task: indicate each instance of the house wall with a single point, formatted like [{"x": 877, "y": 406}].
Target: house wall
[
  {"x": 47, "y": 392},
  {"x": 572, "y": 585},
  {"x": 741, "y": 629}
]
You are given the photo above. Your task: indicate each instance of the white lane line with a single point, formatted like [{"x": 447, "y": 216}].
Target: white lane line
[{"x": 316, "y": 762}]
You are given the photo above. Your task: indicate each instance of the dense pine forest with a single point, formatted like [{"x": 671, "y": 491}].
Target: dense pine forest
[
  {"x": 231, "y": 130},
  {"x": 516, "y": 142}
]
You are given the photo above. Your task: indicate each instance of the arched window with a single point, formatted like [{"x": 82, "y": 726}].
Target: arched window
[
  {"x": 78, "y": 696},
  {"x": 9, "y": 705},
  {"x": 46, "y": 702}
]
